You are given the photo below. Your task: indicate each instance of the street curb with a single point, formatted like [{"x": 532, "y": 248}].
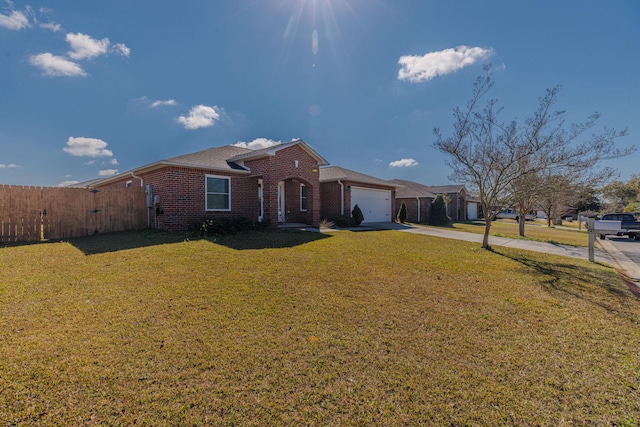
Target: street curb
[{"x": 628, "y": 267}]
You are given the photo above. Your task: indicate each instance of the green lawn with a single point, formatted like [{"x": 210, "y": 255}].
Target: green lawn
[
  {"x": 534, "y": 230},
  {"x": 353, "y": 328}
]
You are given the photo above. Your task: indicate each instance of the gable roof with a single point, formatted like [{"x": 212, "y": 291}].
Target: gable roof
[
  {"x": 455, "y": 188},
  {"x": 228, "y": 158},
  {"x": 410, "y": 189},
  {"x": 336, "y": 173},
  {"x": 215, "y": 159},
  {"x": 218, "y": 158},
  {"x": 271, "y": 151}
]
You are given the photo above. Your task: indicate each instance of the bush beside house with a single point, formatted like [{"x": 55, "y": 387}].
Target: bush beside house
[{"x": 438, "y": 212}]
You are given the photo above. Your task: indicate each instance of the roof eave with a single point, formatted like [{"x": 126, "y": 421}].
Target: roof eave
[{"x": 163, "y": 163}]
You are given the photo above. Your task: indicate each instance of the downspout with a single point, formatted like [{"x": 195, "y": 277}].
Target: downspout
[
  {"x": 133, "y": 175},
  {"x": 418, "y": 201},
  {"x": 137, "y": 177},
  {"x": 341, "y": 198}
]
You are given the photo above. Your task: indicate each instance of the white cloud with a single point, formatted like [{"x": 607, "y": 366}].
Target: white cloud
[
  {"x": 114, "y": 162},
  {"x": 16, "y": 20},
  {"x": 122, "y": 49},
  {"x": 200, "y": 116},
  {"x": 68, "y": 183},
  {"x": 403, "y": 163},
  {"x": 163, "y": 102},
  {"x": 9, "y": 166},
  {"x": 90, "y": 147},
  {"x": 258, "y": 143},
  {"x": 51, "y": 26},
  {"x": 86, "y": 47},
  {"x": 424, "y": 68},
  {"x": 53, "y": 65},
  {"x": 107, "y": 172}
]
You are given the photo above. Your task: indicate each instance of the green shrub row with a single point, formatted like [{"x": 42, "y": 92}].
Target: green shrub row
[{"x": 222, "y": 226}]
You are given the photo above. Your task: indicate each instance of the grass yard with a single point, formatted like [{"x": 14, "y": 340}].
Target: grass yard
[
  {"x": 534, "y": 230},
  {"x": 353, "y": 328}
]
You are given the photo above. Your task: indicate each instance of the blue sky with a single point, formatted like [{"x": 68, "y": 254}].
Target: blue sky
[{"x": 90, "y": 89}]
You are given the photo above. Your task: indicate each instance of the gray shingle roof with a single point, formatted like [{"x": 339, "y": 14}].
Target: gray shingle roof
[
  {"x": 217, "y": 158},
  {"x": 336, "y": 173},
  {"x": 455, "y": 188},
  {"x": 410, "y": 189},
  {"x": 227, "y": 158}
]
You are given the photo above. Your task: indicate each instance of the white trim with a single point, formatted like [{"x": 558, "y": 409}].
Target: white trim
[
  {"x": 206, "y": 193},
  {"x": 306, "y": 199},
  {"x": 261, "y": 199},
  {"x": 281, "y": 202}
]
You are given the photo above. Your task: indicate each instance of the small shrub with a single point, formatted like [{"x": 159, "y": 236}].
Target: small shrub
[
  {"x": 438, "y": 211},
  {"x": 325, "y": 223},
  {"x": 343, "y": 222},
  {"x": 357, "y": 215},
  {"x": 402, "y": 213}
]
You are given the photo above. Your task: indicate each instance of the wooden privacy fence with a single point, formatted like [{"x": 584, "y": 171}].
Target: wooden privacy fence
[{"x": 37, "y": 213}]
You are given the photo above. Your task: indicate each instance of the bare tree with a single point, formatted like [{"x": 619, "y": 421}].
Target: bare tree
[
  {"x": 494, "y": 157},
  {"x": 556, "y": 191}
]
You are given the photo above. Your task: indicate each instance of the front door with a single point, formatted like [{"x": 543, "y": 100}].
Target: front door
[{"x": 281, "y": 201}]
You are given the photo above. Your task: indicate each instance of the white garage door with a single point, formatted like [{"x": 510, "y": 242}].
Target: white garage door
[
  {"x": 374, "y": 204},
  {"x": 472, "y": 211}
]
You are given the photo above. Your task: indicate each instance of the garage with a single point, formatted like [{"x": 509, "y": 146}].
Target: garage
[
  {"x": 375, "y": 204},
  {"x": 472, "y": 211}
]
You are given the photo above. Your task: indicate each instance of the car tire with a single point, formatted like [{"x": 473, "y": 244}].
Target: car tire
[
  {"x": 637, "y": 237},
  {"x": 602, "y": 237},
  {"x": 517, "y": 219}
]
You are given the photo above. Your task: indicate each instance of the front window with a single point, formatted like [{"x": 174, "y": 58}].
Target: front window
[
  {"x": 303, "y": 197},
  {"x": 218, "y": 193}
]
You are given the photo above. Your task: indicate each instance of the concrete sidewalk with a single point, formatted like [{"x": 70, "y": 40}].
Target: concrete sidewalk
[{"x": 606, "y": 253}]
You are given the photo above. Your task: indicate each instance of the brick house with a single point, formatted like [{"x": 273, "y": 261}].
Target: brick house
[
  {"x": 279, "y": 184},
  {"x": 457, "y": 200},
  {"x": 418, "y": 198}
]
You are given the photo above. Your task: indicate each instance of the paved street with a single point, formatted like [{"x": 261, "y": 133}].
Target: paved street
[
  {"x": 629, "y": 247},
  {"x": 627, "y": 254}
]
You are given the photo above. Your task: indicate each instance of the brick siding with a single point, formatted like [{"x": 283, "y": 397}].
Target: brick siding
[{"x": 412, "y": 209}]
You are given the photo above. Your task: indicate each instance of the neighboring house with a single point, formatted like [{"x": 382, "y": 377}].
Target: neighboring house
[
  {"x": 279, "y": 184},
  {"x": 410, "y": 192},
  {"x": 341, "y": 189},
  {"x": 457, "y": 200},
  {"x": 416, "y": 197}
]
